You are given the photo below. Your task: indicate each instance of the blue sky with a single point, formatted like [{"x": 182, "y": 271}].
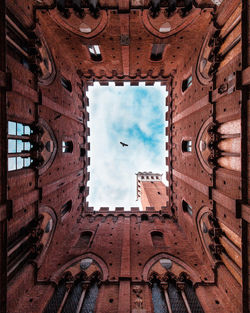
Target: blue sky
[{"x": 134, "y": 115}]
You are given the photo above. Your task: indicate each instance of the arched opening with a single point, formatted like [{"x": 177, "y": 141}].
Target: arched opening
[
  {"x": 95, "y": 53},
  {"x": 67, "y": 146},
  {"x": 144, "y": 217},
  {"x": 157, "y": 52},
  {"x": 187, "y": 207},
  {"x": 66, "y": 84},
  {"x": 84, "y": 239},
  {"x": 157, "y": 239},
  {"x": 77, "y": 291},
  {"x": 66, "y": 208},
  {"x": 187, "y": 83},
  {"x": 186, "y": 146}
]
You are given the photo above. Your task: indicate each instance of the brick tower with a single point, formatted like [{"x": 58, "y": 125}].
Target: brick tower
[{"x": 151, "y": 190}]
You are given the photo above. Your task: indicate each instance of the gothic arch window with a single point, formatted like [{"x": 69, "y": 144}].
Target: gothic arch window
[
  {"x": 77, "y": 293},
  {"x": 186, "y": 145},
  {"x": 48, "y": 222},
  {"x": 66, "y": 208},
  {"x": 67, "y": 146},
  {"x": 157, "y": 239},
  {"x": 95, "y": 53},
  {"x": 19, "y": 145},
  {"x": 47, "y": 72},
  {"x": 66, "y": 84},
  {"x": 220, "y": 242},
  {"x": 157, "y": 52},
  {"x": 187, "y": 83},
  {"x": 24, "y": 246},
  {"x": 172, "y": 294},
  {"x": 187, "y": 207}
]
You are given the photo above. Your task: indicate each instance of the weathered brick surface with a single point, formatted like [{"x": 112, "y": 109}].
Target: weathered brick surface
[{"x": 122, "y": 239}]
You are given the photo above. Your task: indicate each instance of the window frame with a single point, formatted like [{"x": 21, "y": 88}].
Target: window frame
[
  {"x": 67, "y": 146},
  {"x": 157, "y": 52},
  {"x": 24, "y": 154},
  {"x": 187, "y": 208},
  {"x": 95, "y": 52},
  {"x": 187, "y": 83},
  {"x": 186, "y": 145}
]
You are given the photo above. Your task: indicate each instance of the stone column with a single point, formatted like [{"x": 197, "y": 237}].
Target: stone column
[
  {"x": 80, "y": 303},
  {"x": 165, "y": 289}
]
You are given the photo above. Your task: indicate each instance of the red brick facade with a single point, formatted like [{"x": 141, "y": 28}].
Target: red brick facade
[{"x": 200, "y": 227}]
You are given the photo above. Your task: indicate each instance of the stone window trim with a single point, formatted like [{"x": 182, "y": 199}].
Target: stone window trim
[
  {"x": 193, "y": 273},
  {"x": 56, "y": 277}
]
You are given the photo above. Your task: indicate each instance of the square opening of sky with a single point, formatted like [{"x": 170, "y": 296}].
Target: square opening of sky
[{"x": 134, "y": 115}]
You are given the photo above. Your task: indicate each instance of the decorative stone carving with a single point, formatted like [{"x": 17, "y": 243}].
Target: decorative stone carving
[
  {"x": 166, "y": 263},
  {"x": 85, "y": 263},
  {"x": 138, "y": 302}
]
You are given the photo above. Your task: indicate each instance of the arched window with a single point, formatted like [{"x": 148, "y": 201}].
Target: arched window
[
  {"x": 186, "y": 146},
  {"x": 187, "y": 207},
  {"x": 187, "y": 83},
  {"x": 176, "y": 296},
  {"x": 23, "y": 246},
  {"x": 19, "y": 146},
  {"x": 76, "y": 293},
  {"x": 67, "y": 146},
  {"x": 95, "y": 52},
  {"x": 84, "y": 239},
  {"x": 66, "y": 208},
  {"x": 157, "y": 239},
  {"x": 157, "y": 51},
  {"x": 144, "y": 217},
  {"x": 66, "y": 83}
]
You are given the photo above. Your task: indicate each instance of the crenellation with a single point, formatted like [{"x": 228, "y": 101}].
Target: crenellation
[{"x": 119, "y": 209}]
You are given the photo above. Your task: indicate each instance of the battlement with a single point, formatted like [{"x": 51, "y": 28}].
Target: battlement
[{"x": 118, "y": 210}]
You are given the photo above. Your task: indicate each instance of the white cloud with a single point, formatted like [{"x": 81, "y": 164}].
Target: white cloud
[{"x": 134, "y": 115}]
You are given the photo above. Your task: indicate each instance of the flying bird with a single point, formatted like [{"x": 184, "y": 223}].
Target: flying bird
[{"x": 123, "y": 144}]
